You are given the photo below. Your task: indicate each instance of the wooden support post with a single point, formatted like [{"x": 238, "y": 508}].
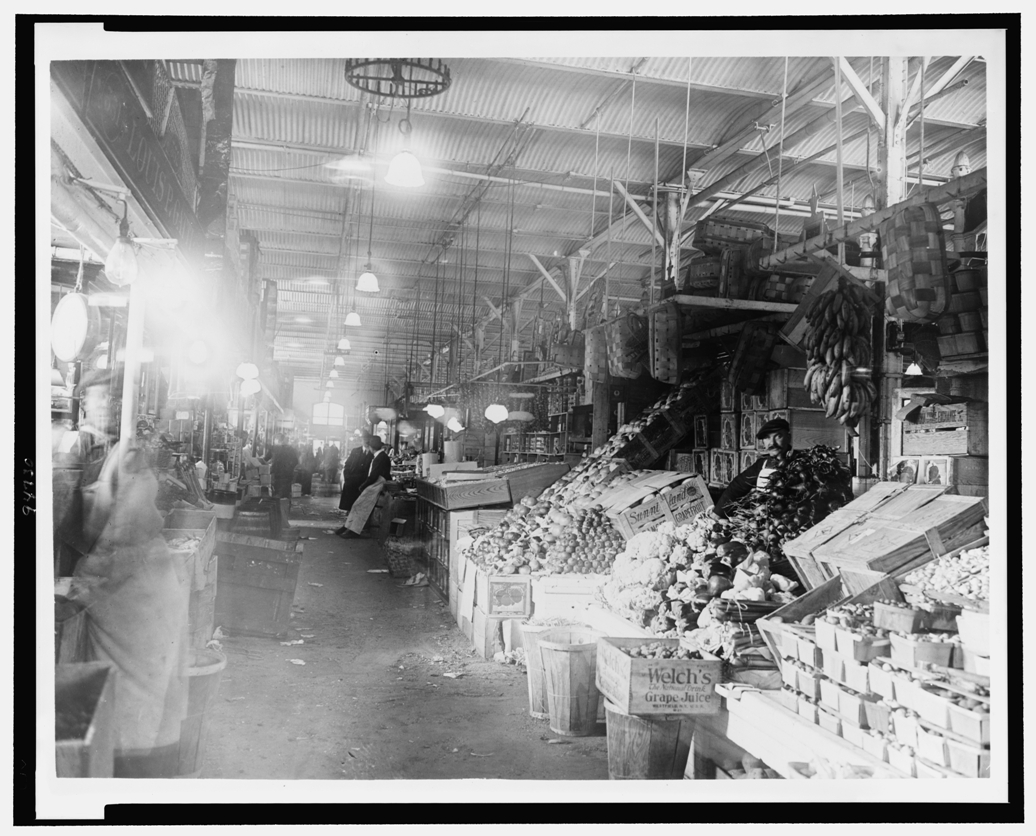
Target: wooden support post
[
  {"x": 671, "y": 218},
  {"x": 575, "y": 270},
  {"x": 892, "y": 140},
  {"x": 131, "y": 369},
  {"x": 601, "y": 413}
]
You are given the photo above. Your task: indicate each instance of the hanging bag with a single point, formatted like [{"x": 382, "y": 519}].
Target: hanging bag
[{"x": 913, "y": 251}]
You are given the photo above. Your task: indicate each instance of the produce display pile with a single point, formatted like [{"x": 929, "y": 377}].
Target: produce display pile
[
  {"x": 965, "y": 575},
  {"x": 837, "y": 345},
  {"x": 657, "y": 650},
  {"x": 806, "y": 487},
  {"x": 696, "y": 581},
  {"x": 564, "y": 529},
  {"x": 188, "y": 543}
]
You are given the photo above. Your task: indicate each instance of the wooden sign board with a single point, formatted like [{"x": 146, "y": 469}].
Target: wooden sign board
[{"x": 656, "y": 686}]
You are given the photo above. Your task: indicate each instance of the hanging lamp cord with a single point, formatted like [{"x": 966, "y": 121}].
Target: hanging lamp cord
[{"x": 780, "y": 159}]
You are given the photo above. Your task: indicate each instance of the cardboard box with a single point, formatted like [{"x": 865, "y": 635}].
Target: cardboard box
[
  {"x": 656, "y": 686},
  {"x": 932, "y": 746},
  {"x": 830, "y": 694},
  {"x": 486, "y": 633},
  {"x": 808, "y": 652},
  {"x": 880, "y": 680},
  {"x": 911, "y": 652},
  {"x": 903, "y": 760},
  {"x": 875, "y": 746},
  {"x": 829, "y": 721},
  {"x": 974, "y": 631},
  {"x": 968, "y": 760}
]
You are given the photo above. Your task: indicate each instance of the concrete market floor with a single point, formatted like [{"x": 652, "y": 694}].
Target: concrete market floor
[{"x": 372, "y": 700}]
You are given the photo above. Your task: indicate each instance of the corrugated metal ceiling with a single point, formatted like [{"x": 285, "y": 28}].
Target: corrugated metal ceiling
[{"x": 294, "y": 117}]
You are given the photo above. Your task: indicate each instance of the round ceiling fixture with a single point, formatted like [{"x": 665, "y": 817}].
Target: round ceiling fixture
[
  {"x": 75, "y": 328},
  {"x": 250, "y": 386},
  {"x": 496, "y": 413},
  {"x": 398, "y": 78}
]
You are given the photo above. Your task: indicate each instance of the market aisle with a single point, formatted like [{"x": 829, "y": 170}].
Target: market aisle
[{"x": 373, "y": 700}]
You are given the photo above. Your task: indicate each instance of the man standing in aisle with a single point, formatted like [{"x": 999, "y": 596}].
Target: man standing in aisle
[
  {"x": 380, "y": 471},
  {"x": 283, "y": 460},
  {"x": 331, "y": 463},
  {"x": 776, "y": 436},
  {"x": 354, "y": 472}
]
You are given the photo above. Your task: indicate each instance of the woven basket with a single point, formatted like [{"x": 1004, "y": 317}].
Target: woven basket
[
  {"x": 620, "y": 363},
  {"x": 913, "y": 250},
  {"x": 703, "y": 276},
  {"x": 716, "y": 233}
]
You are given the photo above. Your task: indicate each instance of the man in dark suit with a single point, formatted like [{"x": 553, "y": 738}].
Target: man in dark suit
[
  {"x": 354, "y": 472},
  {"x": 380, "y": 469}
]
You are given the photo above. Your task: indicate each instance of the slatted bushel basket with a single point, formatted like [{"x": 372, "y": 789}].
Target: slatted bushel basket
[
  {"x": 716, "y": 233},
  {"x": 913, "y": 250},
  {"x": 622, "y": 360},
  {"x": 665, "y": 339},
  {"x": 703, "y": 275}
]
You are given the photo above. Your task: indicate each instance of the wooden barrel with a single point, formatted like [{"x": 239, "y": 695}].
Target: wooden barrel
[
  {"x": 534, "y": 668},
  {"x": 569, "y": 659},
  {"x": 647, "y": 748},
  {"x": 204, "y": 674}
]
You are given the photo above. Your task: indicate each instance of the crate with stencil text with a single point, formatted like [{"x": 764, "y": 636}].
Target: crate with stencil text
[
  {"x": 653, "y": 686},
  {"x": 722, "y": 466},
  {"x": 948, "y": 430}
]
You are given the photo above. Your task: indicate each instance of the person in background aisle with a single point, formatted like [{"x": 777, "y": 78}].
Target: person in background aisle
[
  {"x": 777, "y": 438},
  {"x": 354, "y": 471},
  {"x": 331, "y": 464},
  {"x": 308, "y": 464},
  {"x": 283, "y": 460},
  {"x": 380, "y": 470}
]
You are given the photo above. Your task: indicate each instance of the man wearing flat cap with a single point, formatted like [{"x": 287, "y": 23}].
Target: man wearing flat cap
[{"x": 776, "y": 436}]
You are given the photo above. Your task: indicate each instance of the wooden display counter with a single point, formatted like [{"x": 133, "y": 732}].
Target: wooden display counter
[{"x": 755, "y": 722}]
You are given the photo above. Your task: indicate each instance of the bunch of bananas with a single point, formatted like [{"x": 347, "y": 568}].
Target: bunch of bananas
[{"x": 839, "y": 353}]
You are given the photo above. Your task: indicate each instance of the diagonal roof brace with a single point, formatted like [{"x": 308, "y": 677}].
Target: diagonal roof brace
[{"x": 860, "y": 92}]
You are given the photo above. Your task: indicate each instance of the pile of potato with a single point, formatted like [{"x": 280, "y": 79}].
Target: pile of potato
[{"x": 965, "y": 574}]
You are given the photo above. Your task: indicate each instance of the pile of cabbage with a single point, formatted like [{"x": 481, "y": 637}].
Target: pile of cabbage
[{"x": 667, "y": 579}]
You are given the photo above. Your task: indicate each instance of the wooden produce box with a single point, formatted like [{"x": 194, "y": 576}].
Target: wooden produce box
[
  {"x": 700, "y": 464},
  {"x": 687, "y": 499},
  {"x": 746, "y": 458},
  {"x": 754, "y": 403},
  {"x": 257, "y": 579},
  {"x": 681, "y": 462},
  {"x": 729, "y": 399},
  {"x": 824, "y": 596},
  {"x": 656, "y": 686},
  {"x": 84, "y": 709},
  {"x": 808, "y": 429},
  {"x": 532, "y": 481},
  {"x": 970, "y": 471},
  {"x": 503, "y": 596},
  {"x": 948, "y": 430},
  {"x": 465, "y": 495},
  {"x": 666, "y": 431},
  {"x": 786, "y": 390},
  {"x": 891, "y": 528},
  {"x": 563, "y": 596},
  {"x": 185, "y": 523},
  {"x": 750, "y": 424},
  {"x": 728, "y": 430},
  {"x": 645, "y": 515},
  {"x": 702, "y": 424},
  {"x": 723, "y": 466}
]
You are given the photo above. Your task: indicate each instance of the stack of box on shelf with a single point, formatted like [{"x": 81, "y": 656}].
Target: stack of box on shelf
[
  {"x": 963, "y": 329},
  {"x": 725, "y": 443},
  {"x": 898, "y": 669}
]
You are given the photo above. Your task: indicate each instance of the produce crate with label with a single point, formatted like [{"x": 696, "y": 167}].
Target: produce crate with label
[
  {"x": 891, "y": 527},
  {"x": 950, "y": 429}
]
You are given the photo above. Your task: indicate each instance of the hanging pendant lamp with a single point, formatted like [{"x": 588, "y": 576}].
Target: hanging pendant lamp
[
  {"x": 455, "y": 425},
  {"x": 496, "y": 412},
  {"x": 333, "y": 374},
  {"x": 352, "y": 318},
  {"x": 435, "y": 410},
  {"x": 368, "y": 282},
  {"x": 340, "y": 361},
  {"x": 343, "y": 345},
  {"x": 121, "y": 264},
  {"x": 250, "y": 386},
  {"x": 329, "y": 385},
  {"x": 405, "y": 171}
]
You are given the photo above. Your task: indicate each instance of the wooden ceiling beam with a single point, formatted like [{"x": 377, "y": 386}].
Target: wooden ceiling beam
[{"x": 860, "y": 92}]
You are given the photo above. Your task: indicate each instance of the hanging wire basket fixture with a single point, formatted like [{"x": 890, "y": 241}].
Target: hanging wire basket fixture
[{"x": 398, "y": 78}]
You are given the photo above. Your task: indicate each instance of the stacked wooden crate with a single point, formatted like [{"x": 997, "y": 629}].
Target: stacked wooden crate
[{"x": 889, "y": 674}]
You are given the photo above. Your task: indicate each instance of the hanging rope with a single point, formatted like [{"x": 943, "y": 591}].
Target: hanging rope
[
  {"x": 474, "y": 290},
  {"x": 780, "y": 160},
  {"x": 593, "y": 198},
  {"x": 686, "y": 122},
  {"x": 435, "y": 323},
  {"x": 920, "y": 150},
  {"x": 870, "y": 176},
  {"x": 629, "y": 141}
]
